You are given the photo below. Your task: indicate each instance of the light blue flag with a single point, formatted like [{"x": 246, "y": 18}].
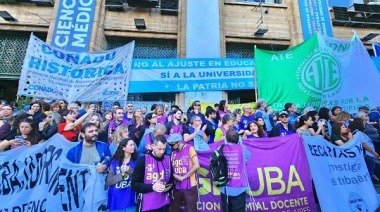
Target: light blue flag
[{"x": 340, "y": 175}]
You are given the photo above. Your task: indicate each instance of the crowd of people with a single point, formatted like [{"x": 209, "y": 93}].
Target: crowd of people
[{"x": 150, "y": 154}]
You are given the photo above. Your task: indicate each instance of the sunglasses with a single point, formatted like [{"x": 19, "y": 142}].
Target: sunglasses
[
  {"x": 50, "y": 117},
  {"x": 198, "y": 105},
  {"x": 173, "y": 144},
  {"x": 284, "y": 116}
]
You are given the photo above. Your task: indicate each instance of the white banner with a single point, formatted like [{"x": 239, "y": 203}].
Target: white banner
[
  {"x": 340, "y": 175},
  {"x": 40, "y": 178},
  {"x": 53, "y": 73}
]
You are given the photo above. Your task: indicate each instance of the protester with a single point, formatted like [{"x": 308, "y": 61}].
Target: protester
[
  {"x": 211, "y": 125},
  {"x": 291, "y": 109},
  {"x": 153, "y": 178},
  {"x": 5, "y": 127},
  {"x": 196, "y": 136},
  {"x": 305, "y": 123},
  {"x": 269, "y": 118},
  {"x": 324, "y": 114},
  {"x": 234, "y": 194},
  {"x": 97, "y": 120},
  {"x": 335, "y": 111},
  {"x": 161, "y": 117},
  {"x": 27, "y": 134},
  {"x": 137, "y": 128},
  {"x": 7, "y": 113},
  {"x": 262, "y": 124},
  {"x": 128, "y": 112},
  {"x": 90, "y": 151},
  {"x": 36, "y": 110},
  {"x": 196, "y": 111},
  {"x": 374, "y": 117},
  {"x": 120, "y": 195},
  {"x": 170, "y": 116},
  {"x": 340, "y": 134},
  {"x": 344, "y": 118},
  {"x": 237, "y": 126},
  {"x": 62, "y": 104},
  {"x": 144, "y": 111},
  {"x": 107, "y": 118},
  {"x": 55, "y": 107},
  {"x": 185, "y": 165},
  {"x": 371, "y": 156},
  {"x": 227, "y": 122},
  {"x": 255, "y": 130},
  {"x": 146, "y": 144},
  {"x": 70, "y": 127},
  {"x": 49, "y": 127},
  {"x": 14, "y": 105},
  {"x": 223, "y": 109},
  {"x": 246, "y": 117},
  {"x": 121, "y": 133},
  {"x": 369, "y": 130},
  {"x": 177, "y": 126},
  {"x": 166, "y": 109},
  {"x": 282, "y": 128},
  {"x": 150, "y": 122},
  {"x": 118, "y": 121},
  {"x": 260, "y": 108}
]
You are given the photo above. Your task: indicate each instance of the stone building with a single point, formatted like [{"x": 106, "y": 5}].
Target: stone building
[{"x": 164, "y": 35}]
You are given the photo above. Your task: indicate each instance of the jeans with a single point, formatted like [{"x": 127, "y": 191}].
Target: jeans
[{"x": 190, "y": 197}]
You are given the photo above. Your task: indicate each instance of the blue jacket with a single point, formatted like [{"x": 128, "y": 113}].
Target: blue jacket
[{"x": 74, "y": 154}]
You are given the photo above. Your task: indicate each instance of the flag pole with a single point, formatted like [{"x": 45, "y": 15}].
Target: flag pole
[
  {"x": 374, "y": 48},
  {"x": 254, "y": 71}
]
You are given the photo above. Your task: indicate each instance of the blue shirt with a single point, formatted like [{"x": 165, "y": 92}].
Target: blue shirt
[{"x": 244, "y": 121}]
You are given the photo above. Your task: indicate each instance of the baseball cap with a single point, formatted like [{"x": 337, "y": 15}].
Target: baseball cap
[
  {"x": 363, "y": 108},
  {"x": 174, "y": 138},
  {"x": 283, "y": 113}
]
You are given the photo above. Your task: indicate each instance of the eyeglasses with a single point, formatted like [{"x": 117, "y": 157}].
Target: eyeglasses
[
  {"x": 197, "y": 120},
  {"x": 284, "y": 116},
  {"x": 198, "y": 105},
  {"x": 50, "y": 117},
  {"x": 130, "y": 106},
  {"x": 173, "y": 144}
]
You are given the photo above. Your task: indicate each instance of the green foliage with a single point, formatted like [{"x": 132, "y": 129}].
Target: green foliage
[{"x": 22, "y": 101}]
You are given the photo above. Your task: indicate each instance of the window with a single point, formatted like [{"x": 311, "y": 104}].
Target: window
[{"x": 12, "y": 54}]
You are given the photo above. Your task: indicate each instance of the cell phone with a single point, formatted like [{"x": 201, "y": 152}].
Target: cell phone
[
  {"x": 168, "y": 185},
  {"x": 95, "y": 106},
  {"x": 21, "y": 138}
]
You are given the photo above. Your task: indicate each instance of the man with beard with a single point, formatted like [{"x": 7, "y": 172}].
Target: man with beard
[
  {"x": 118, "y": 121},
  {"x": 176, "y": 126},
  {"x": 153, "y": 177},
  {"x": 90, "y": 151},
  {"x": 128, "y": 115}
]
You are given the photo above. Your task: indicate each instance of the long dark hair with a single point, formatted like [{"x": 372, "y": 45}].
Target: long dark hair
[
  {"x": 33, "y": 134},
  {"x": 336, "y": 129},
  {"x": 324, "y": 113},
  {"x": 147, "y": 118},
  {"x": 302, "y": 120},
  {"x": 119, "y": 154},
  {"x": 263, "y": 126},
  {"x": 357, "y": 124},
  {"x": 260, "y": 131},
  {"x": 221, "y": 104},
  {"x": 38, "y": 103}
]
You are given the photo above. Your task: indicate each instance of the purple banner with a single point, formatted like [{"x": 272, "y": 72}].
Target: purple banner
[{"x": 278, "y": 174}]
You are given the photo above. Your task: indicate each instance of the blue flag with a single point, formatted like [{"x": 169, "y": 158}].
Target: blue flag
[{"x": 376, "y": 49}]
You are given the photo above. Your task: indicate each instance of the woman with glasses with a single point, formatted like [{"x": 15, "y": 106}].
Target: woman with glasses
[
  {"x": 48, "y": 127},
  {"x": 70, "y": 126},
  {"x": 120, "y": 195},
  {"x": 121, "y": 133},
  {"x": 62, "y": 104},
  {"x": 150, "y": 122}
]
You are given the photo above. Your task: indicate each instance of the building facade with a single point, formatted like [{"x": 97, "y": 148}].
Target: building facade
[{"x": 164, "y": 35}]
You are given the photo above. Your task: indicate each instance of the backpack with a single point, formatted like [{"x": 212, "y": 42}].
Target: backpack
[{"x": 218, "y": 167}]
